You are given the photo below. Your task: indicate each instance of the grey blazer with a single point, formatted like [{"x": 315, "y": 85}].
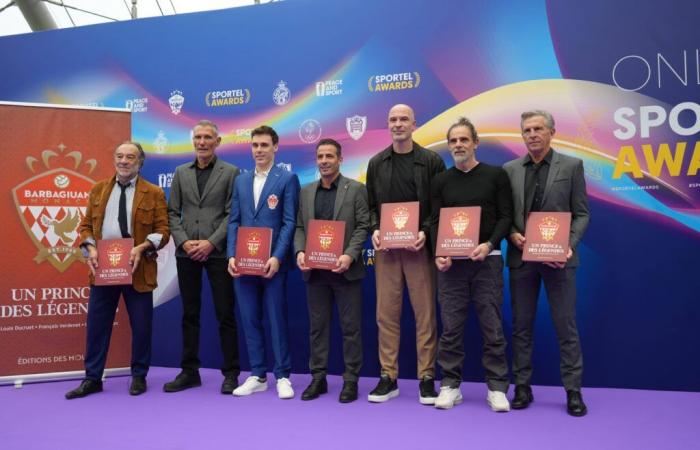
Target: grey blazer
[
  {"x": 565, "y": 191},
  {"x": 350, "y": 207},
  {"x": 205, "y": 217}
]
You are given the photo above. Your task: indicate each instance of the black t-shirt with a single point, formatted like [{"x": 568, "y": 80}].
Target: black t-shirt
[{"x": 403, "y": 180}]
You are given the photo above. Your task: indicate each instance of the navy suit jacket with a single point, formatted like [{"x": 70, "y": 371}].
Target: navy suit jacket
[{"x": 277, "y": 209}]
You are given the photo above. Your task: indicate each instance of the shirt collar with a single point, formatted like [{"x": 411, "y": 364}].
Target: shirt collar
[
  {"x": 208, "y": 166},
  {"x": 547, "y": 159}
]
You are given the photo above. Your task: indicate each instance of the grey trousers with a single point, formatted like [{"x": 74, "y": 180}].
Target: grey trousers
[
  {"x": 322, "y": 292},
  {"x": 480, "y": 283},
  {"x": 560, "y": 285}
]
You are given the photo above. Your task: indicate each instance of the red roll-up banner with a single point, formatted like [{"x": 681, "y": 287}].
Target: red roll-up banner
[{"x": 51, "y": 157}]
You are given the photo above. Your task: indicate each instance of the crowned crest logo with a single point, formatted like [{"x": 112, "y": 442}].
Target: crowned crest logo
[
  {"x": 176, "y": 101},
  {"x": 459, "y": 223},
  {"x": 114, "y": 254},
  {"x": 356, "y": 126},
  {"x": 548, "y": 228},
  {"x": 253, "y": 243},
  {"x": 281, "y": 95},
  {"x": 400, "y": 217},
  {"x": 326, "y": 236},
  {"x": 52, "y": 203}
]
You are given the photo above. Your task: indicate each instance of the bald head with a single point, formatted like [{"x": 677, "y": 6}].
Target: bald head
[{"x": 402, "y": 123}]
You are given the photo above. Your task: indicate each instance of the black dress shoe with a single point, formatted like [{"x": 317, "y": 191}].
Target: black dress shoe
[
  {"x": 522, "y": 398},
  {"x": 574, "y": 404},
  {"x": 349, "y": 392},
  {"x": 138, "y": 385},
  {"x": 316, "y": 388},
  {"x": 183, "y": 380},
  {"x": 230, "y": 383},
  {"x": 86, "y": 388}
]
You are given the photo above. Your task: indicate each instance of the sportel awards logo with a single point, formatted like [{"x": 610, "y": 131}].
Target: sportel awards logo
[
  {"x": 548, "y": 228},
  {"x": 400, "y": 217},
  {"x": 310, "y": 131},
  {"x": 393, "y": 81},
  {"x": 356, "y": 126},
  {"x": 176, "y": 101},
  {"x": 230, "y": 97},
  {"x": 281, "y": 95},
  {"x": 52, "y": 203},
  {"x": 329, "y": 88},
  {"x": 459, "y": 223}
]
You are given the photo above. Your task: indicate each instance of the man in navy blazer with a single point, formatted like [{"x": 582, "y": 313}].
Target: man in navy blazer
[{"x": 265, "y": 197}]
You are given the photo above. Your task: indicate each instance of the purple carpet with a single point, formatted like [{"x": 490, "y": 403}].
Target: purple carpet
[{"x": 38, "y": 417}]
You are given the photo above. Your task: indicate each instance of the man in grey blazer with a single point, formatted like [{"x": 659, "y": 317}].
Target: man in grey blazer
[
  {"x": 198, "y": 210},
  {"x": 544, "y": 180},
  {"x": 334, "y": 197}
]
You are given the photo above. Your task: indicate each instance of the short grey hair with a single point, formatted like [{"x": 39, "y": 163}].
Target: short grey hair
[
  {"x": 548, "y": 119},
  {"x": 207, "y": 123}
]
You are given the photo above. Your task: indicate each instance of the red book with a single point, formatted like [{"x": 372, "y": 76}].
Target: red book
[
  {"x": 399, "y": 224},
  {"x": 547, "y": 236},
  {"x": 113, "y": 266},
  {"x": 324, "y": 243},
  {"x": 253, "y": 247},
  {"x": 458, "y": 232}
]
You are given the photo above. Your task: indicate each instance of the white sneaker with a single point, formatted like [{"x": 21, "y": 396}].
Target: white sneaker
[
  {"x": 497, "y": 401},
  {"x": 250, "y": 386},
  {"x": 284, "y": 388},
  {"x": 448, "y": 397}
]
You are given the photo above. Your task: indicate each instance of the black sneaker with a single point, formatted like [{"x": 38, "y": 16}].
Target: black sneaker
[
  {"x": 385, "y": 390},
  {"x": 427, "y": 393},
  {"x": 183, "y": 380}
]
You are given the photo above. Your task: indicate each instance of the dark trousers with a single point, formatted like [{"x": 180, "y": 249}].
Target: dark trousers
[
  {"x": 255, "y": 295},
  {"x": 560, "y": 285},
  {"x": 322, "y": 290},
  {"x": 479, "y": 283},
  {"x": 189, "y": 277},
  {"x": 102, "y": 307}
]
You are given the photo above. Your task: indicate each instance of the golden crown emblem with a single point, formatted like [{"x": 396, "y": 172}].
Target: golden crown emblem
[
  {"x": 548, "y": 228},
  {"x": 400, "y": 217},
  {"x": 114, "y": 254},
  {"x": 253, "y": 244},
  {"x": 459, "y": 223},
  {"x": 325, "y": 237}
]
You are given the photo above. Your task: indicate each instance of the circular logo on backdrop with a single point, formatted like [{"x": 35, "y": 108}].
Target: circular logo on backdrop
[
  {"x": 310, "y": 131},
  {"x": 281, "y": 95}
]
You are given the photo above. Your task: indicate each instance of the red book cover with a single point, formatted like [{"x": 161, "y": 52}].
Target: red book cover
[
  {"x": 113, "y": 262},
  {"x": 547, "y": 236},
  {"x": 324, "y": 243},
  {"x": 399, "y": 224},
  {"x": 253, "y": 248},
  {"x": 458, "y": 231}
]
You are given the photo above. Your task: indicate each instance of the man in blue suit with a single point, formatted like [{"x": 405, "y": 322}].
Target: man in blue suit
[{"x": 265, "y": 197}]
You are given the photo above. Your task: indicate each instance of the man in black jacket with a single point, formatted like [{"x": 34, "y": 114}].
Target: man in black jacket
[{"x": 403, "y": 173}]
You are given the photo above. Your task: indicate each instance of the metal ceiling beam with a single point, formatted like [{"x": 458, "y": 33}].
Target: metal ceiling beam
[{"x": 36, "y": 14}]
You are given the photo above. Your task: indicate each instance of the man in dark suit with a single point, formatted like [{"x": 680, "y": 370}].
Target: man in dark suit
[
  {"x": 266, "y": 197},
  {"x": 545, "y": 180},
  {"x": 334, "y": 197},
  {"x": 123, "y": 206},
  {"x": 199, "y": 206}
]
